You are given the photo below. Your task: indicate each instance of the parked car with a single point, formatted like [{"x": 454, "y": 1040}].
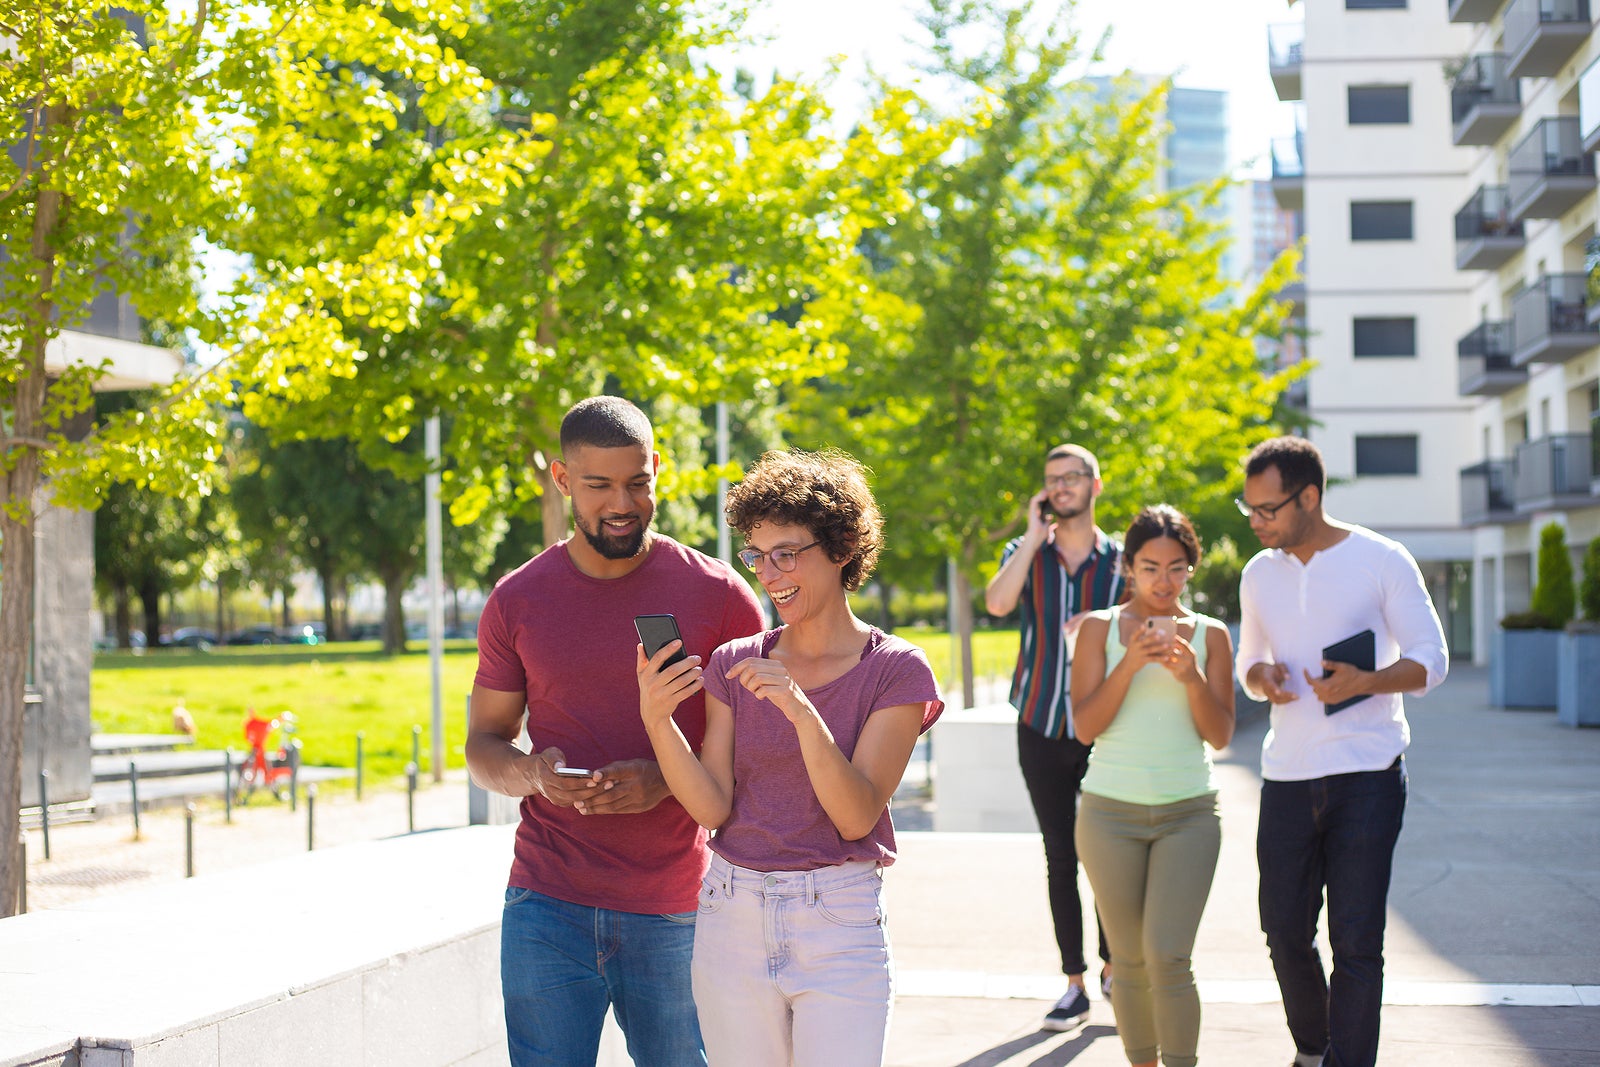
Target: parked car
[
  {"x": 190, "y": 637},
  {"x": 310, "y": 633},
  {"x": 259, "y": 634}
]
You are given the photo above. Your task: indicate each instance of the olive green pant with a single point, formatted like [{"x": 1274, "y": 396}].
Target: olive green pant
[{"x": 1151, "y": 867}]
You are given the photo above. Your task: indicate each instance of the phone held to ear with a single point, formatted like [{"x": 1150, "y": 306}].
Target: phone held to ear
[
  {"x": 1045, "y": 514},
  {"x": 656, "y": 632}
]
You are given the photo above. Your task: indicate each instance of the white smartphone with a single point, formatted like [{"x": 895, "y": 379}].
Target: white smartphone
[
  {"x": 573, "y": 772},
  {"x": 1165, "y": 625}
]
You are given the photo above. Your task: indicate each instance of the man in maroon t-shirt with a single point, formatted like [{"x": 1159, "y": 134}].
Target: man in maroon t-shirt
[{"x": 601, "y": 900}]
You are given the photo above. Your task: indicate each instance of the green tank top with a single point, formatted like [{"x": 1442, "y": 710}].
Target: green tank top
[{"x": 1151, "y": 753}]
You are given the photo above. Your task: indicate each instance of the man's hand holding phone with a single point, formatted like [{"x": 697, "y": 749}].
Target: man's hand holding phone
[{"x": 552, "y": 779}]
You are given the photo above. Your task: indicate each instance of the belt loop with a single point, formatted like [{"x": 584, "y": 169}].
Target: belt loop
[{"x": 811, "y": 889}]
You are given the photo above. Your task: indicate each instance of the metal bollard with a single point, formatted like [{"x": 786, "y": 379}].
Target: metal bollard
[
  {"x": 44, "y": 809},
  {"x": 227, "y": 785},
  {"x": 22, "y": 887},
  {"x": 133, "y": 792},
  {"x": 361, "y": 759},
  {"x": 416, "y": 746},
  {"x": 294, "y": 777},
  {"x": 311, "y": 817},
  {"x": 188, "y": 840},
  {"x": 411, "y": 797}
]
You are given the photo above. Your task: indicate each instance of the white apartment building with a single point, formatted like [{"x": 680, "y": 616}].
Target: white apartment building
[
  {"x": 1374, "y": 173},
  {"x": 1526, "y": 110}
]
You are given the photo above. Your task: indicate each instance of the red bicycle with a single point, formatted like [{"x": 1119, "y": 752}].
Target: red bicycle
[{"x": 262, "y": 768}]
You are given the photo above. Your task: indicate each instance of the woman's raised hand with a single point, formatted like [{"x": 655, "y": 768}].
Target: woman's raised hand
[
  {"x": 769, "y": 679},
  {"x": 662, "y": 689}
]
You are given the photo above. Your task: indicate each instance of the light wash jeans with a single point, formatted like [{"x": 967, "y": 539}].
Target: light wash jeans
[
  {"x": 561, "y": 964},
  {"x": 792, "y": 966}
]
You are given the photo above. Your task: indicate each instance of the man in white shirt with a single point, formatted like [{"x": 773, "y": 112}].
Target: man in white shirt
[{"x": 1334, "y": 782}]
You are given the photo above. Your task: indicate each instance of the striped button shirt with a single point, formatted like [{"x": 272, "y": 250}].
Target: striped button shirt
[{"x": 1050, "y": 596}]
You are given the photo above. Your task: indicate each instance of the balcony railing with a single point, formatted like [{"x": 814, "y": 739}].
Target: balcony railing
[
  {"x": 1549, "y": 170},
  {"x": 1485, "y": 234},
  {"x": 1554, "y": 471},
  {"x": 1549, "y": 321},
  {"x": 1541, "y": 35},
  {"x": 1286, "y": 57},
  {"x": 1486, "y": 493},
  {"x": 1484, "y": 100},
  {"x": 1288, "y": 173},
  {"x": 1484, "y": 359},
  {"x": 1474, "y": 10}
]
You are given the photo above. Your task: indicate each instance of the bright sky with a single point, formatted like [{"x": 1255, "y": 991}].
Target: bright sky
[{"x": 1221, "y": 44}]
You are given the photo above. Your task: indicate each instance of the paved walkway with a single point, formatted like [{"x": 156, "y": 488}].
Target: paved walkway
[{"x": 1494, "y": 938}]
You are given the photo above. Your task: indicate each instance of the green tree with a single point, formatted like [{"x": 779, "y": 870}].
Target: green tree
[
  {"x": 1553, "y": 593},
  {"x": 1051, "y": 291},
  {"x": 126, "y": 129},
  {"x": 647, "y": 251},
  {"x": 1589, "y": 590}
]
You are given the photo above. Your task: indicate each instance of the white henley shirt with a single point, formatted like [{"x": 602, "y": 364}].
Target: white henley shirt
[{"x": 1291, "y": 611}]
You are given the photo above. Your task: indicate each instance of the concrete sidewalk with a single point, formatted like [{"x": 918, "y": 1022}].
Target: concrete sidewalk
[
  {"x": 1494, "y": 921},
  {"x": 1494, "y": 935}
]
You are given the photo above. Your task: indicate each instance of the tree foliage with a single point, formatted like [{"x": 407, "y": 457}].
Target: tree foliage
[
  {"x": 1050, "y": 291},
  {"x": 1554, "y": 597}
]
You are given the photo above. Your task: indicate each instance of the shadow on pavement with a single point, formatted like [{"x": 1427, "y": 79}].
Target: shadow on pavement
[{"x": 1066, "y": 1052}]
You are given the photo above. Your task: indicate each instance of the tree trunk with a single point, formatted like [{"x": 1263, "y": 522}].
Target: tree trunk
[
  {"x": 886, "y": 615},
  {"x": 150, "y": 598},
  {"x": 394, "y": 616},
  {"x": 17, "y": 489},
  {"x": 552, "y": 507},
  {"x": 222, "y": 597},
  {"x": 123, "y": 607},
  {"x": 963, "y": 594}
]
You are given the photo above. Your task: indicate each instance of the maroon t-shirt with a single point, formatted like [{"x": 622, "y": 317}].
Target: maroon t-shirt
[
  {"x": 567, "y": 641},
  {"x": 777, "y": 823}
]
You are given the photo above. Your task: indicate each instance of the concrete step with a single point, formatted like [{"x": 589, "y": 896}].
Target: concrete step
[
  {"x": 112, "y": 797},
  {"x": 122, "y": 744},
  {"x": 112, "y": 768}
]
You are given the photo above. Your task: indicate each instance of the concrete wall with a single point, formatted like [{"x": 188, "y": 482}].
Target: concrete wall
[
  {"x": 56, "y": 731},
  {"x": 386, "y": 952}
]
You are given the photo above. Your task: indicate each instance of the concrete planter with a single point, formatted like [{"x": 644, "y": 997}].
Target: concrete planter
[
  {"x": 1522, "y": 669},
  {"x": 1578, "y": 679}
]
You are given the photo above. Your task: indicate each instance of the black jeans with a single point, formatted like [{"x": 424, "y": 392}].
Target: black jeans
[
  {"x": 1337, "y": 833},
  {"x": 1053, "y": 771}
]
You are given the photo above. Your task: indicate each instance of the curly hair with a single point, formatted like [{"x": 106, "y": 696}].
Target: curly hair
[
  {"x": 827, "y": 493},
  {"x": 1157, "y": 521}
]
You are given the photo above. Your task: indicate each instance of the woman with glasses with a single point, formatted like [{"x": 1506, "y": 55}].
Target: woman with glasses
[
  {"x": 1152, "y": 688},
  {"x": 809, "y": 728}
]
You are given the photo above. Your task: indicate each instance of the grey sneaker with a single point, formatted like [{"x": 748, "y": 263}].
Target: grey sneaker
[
  {"x": 1105, "y": 984},
  {"x": 1070, "y": 1012}
]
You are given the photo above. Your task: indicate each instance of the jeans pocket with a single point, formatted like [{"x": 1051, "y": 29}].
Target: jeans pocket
[
  {"x": 516, "y": 895},
  {"x": 711, "y": 898},
  {"x": 679, "y": 918},
  {"x": 856, "y": 906}
]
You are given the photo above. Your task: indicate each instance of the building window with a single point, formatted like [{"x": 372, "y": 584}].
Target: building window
[
  {"x": 1386, "y": 454},
  {"x": 1384, "y": 338},
  {"x": 1377, "y": 105},
  {"x": 1374, "y": 5},
  {"x": 1380, "y": 220}
]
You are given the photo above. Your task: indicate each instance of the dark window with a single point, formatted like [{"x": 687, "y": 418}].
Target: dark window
[
  {"x": 1386, "y": 454},
  {"x": 1380, "y": 220},
  {"x": 1378, "y": 338},
  {"x": 1374, "y": 5},
  {"x": 1379, "y": 104}
]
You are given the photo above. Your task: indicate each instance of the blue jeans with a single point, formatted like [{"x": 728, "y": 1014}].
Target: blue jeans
[
  {"x": 1336, "y": 833},
  {"x": 561, "y": 964}
]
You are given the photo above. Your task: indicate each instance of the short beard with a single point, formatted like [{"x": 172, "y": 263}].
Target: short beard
[{"x": 611, "y": 547}]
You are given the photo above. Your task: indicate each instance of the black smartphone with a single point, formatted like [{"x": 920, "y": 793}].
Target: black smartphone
[
  {"x": 1045, "y": 514},
  {"x": 656, "y": 631}
]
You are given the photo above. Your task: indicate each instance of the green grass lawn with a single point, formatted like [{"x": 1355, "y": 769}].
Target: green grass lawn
[{"x": 339, "y": 689}]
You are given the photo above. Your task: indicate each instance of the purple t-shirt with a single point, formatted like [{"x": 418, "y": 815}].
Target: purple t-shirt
[
  {"x": 777, "y": 822},
  {"x": 567, "y": 641}
]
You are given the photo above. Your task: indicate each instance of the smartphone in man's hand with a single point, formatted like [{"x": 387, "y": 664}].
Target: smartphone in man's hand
[{"x": 657, "y": 631}]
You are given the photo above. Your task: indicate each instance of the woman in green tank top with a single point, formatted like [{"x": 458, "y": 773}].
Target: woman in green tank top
[{"x": 1152, "y": 689}]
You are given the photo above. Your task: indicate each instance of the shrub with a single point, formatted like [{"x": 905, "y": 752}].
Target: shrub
[
  {"x": 1553, "y": 594},
  {"x": 1527, "y": 620},
  {"x": 1589, "y": 591},
  {"x": 1215, "y": 585}
]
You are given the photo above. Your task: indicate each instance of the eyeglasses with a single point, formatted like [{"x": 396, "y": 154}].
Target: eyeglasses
[
  {"x": 1265, "y": 511},
  {"x": 782, "y": 558},
  {"x": 1066, "y": 481}
]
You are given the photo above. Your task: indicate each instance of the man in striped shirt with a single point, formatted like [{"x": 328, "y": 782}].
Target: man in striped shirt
[{"x": 1061, "y": 568}]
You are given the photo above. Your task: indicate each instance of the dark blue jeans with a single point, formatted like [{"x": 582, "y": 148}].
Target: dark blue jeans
[
  {"x": 561, "y": 964},
  {"x": 1336, "y": 834}
]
